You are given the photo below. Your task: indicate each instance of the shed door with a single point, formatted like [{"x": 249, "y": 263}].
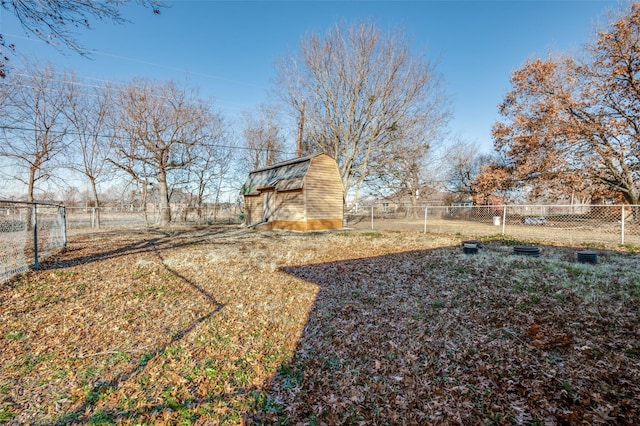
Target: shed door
[{"x": 267, "y": 206}]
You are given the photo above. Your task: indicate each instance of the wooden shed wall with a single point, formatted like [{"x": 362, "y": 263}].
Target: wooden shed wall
[
  {"x": 252, "y": 209},
  {"x": 323, "y": 193},
  {"x": 289, "y": 205},
  {"x": 318, "y": 204}
]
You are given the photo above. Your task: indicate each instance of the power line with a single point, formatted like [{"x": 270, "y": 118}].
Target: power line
[
  {"x": 153, "y": 64},
  {"x": 117, "y": 86},
  {"x": 97, "y": 135}
]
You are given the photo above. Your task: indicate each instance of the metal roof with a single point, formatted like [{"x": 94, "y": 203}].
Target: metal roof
[{"x": 285, "y": 176}]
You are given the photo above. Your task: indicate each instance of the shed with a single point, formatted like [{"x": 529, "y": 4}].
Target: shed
[{"x": 302, "y": 194}]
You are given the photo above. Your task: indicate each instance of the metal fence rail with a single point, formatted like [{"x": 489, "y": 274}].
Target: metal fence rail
[
  {"x": 87, "y": 218},
  {"x": 29, "y": 232},
  {"x": 609, "y": 225}
]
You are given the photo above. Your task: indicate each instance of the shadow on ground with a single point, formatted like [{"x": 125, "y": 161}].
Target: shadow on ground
[
  {"x": 437, "y": 336},
  {"x": 430, "y": 336},
  {"x": 149, "y": 240}
]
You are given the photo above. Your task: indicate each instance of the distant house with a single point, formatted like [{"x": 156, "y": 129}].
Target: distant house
[
  {"x": 426, "y": 196},
  {"x": 302, "y": 194}
]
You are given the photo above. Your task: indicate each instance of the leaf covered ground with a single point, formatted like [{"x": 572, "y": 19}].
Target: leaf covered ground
[{"x": 229, "y": 326}]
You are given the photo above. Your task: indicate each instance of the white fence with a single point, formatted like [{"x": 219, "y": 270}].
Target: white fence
[
  {"x": 29, "y": 232},
  {"x": 609, "y": 225}
]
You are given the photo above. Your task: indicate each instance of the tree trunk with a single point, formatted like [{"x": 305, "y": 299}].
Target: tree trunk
[
  {"x": 144, "y": 203},
  {"x": 414, "y": 205},
  {"x": 96, "y": 199},
  {"x": 634, "y": 200},
  {"x": 30, "y": 197},
  {"x": 163, "y": 192},
  {"x": 32, "y": 180}
]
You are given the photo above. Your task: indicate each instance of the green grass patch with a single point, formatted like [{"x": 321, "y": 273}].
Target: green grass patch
[
  {"x": 15, "y": 335},
  {"x": 6, "y": 413}
]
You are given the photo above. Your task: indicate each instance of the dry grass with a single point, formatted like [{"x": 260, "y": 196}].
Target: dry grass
[
  {"x": 225, "y": 326},
  {"x": 600, "y": 233}
]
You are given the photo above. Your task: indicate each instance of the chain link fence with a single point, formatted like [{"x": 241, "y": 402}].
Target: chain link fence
[
  {"x": 91, "y": 218},
  {"x": 29, "y": 232},
  {"x": 609, "y": 225}
]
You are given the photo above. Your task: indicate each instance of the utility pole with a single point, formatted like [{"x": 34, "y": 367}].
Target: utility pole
[{"x": 300, "y": 130}]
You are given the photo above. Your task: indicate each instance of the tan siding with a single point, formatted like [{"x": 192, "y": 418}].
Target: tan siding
[
  {"x": 252, "y": 209},
  {"x": 289, "y": 206},
  {"x": 318, "y": 205},
  {"x": 323, "y": 190}
]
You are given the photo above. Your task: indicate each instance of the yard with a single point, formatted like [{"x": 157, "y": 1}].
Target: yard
[{"x": 229, "y": 326}]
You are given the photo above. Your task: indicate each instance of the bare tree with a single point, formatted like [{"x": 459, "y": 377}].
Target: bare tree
[
  {"x": 363, "y": 92},
  {"x": 213, "y": 159},
  {"x": 263, "y": 137},
  {"x": 89, "y": 111},
  {"x": 159, "y": 126},
  {"x": 34, "y": 124},
  {"x": 55, "y": 21},
  {"x": 407, "y": 166},
  {"x": 465, "y": 163}
]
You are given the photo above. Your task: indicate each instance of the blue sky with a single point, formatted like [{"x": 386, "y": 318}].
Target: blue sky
[{"x": 228, "y": 48}]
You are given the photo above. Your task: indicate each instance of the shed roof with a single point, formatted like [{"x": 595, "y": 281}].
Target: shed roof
[{"x": 285, "y": 176}]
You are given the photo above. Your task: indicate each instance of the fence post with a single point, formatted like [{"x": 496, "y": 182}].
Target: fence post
[
  {"x": 35, "y": 236},
  {"x": 504, "y": 218},
  {"x": 622, "y": 227},
  {"x": 425, "y": 219},
  {"x": 62, "y": 211},
  {"x": 372, "y": 207}
]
